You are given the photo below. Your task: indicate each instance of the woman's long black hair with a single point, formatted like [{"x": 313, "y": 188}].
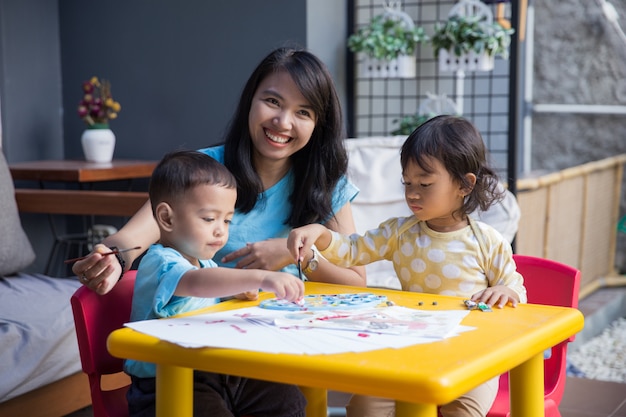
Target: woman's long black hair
[{"x": 319, "y": 165}]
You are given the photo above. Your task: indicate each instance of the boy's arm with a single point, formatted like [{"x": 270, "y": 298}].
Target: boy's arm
[{"x": 222, "y": 282}]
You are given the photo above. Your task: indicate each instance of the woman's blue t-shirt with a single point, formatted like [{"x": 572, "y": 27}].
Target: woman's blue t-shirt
[{"x": 268, "y": 218}]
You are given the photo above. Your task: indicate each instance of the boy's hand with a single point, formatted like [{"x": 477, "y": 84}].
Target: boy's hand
[
  {"x": 302, "y": 238},
  {"x": 284, "y": 285},
  {"x": 498, "y": 295}
]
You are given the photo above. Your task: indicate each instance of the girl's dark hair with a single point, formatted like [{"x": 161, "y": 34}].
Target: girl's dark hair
[
  {"x": 180, "y": 171},
  {"x": 319, "y": 165},
  {"x": 458, "y": 145}
]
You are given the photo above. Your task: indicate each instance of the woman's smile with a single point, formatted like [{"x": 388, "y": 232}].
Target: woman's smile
[{"x": 275, "y": 137}]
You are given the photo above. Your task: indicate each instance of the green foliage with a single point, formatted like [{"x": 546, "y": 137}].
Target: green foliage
[
  {"x": 409, "y": 123},
  {"x": 462, "y": 34},
  {"x": 386, "y": 38}
]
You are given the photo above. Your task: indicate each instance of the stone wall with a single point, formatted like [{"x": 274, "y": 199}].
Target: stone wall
[{"x": 579, "y": 58}]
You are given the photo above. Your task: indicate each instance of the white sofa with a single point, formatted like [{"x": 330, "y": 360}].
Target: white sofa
[{"x": 374, "y": 167}]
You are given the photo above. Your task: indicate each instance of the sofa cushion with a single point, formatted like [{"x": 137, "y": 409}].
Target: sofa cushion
[{"x": 16, "y": 252}]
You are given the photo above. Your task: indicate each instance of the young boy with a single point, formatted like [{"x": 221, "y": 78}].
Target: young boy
[{"x": 193, "y": 200}]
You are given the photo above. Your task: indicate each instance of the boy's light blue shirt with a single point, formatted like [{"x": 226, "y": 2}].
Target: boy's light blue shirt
[
  {"x": 158, "y": 275},
  {"x": 268, "y": 218}
]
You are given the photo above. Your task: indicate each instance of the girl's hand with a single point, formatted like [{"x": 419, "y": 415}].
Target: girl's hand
[
  {"x": 270, "y": 255},
  {"x": 99, "y": 273},
  {"x": 302, "y": 238},
  {"x": 498, "y": 295}
]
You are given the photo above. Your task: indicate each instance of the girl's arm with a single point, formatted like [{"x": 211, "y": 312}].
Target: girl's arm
[
  {"x": 273, "y": 254},
  {"x": 343, "y": 223},
  {"x": 103, "y": 272}
]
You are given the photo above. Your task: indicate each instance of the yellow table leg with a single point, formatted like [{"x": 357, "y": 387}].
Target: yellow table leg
[
  {"x": 316, "y": 401},
  {"x": 404, "y": 409},
  {"x": 527, "y": 388},
  {"x": 174, "y": 391}
]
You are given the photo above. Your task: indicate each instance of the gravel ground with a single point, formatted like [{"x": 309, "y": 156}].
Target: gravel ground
[{"x": 603, "y": 357}]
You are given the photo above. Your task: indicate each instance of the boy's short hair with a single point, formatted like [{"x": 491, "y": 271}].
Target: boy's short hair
[{"x": 180, "y": 171}]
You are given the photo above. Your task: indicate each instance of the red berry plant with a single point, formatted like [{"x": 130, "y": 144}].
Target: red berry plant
[{"x": 97, "y": 106}]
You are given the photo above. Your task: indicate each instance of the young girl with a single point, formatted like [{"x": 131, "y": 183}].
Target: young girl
[{"x": 439, "y": 249}]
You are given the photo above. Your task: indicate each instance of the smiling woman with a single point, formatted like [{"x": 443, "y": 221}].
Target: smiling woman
[{"x": 285, "y": 148}]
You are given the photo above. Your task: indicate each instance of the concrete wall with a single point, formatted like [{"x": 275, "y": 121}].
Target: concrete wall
[{"x": 579, "y": 58}]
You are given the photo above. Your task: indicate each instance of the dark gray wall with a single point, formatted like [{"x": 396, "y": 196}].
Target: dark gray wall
[
  {"x": 176, "y": 67},
  {"x": 30, "y": 80}
]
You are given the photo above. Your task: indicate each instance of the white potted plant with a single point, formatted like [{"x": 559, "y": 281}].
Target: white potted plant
[
  {"x": 96, "y": 109},
  {"x": 387, "y": 45},
  {"x": 469, "y": 39}
]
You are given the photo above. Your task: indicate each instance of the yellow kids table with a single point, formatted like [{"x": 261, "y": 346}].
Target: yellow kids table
[{"x": 418, "y": 377}]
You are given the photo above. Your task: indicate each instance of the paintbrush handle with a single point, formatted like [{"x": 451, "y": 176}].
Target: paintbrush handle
[{"x": 113, "y": 252}]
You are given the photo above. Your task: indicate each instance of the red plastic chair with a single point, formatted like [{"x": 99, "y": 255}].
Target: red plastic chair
[
  {"x": 95, "y": 317},
  {"x": 550, "y": 283}
]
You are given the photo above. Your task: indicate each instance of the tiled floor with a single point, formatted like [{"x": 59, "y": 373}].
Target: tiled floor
[
  {"x": 583, "y": 397},
  {"x": 589, "y": 398}
]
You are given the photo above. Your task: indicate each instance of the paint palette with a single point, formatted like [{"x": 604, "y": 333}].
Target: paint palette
[{"x": 326, "y": 302}]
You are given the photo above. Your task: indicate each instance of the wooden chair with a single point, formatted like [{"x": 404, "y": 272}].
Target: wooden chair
[{"x": 550, "y": 283}]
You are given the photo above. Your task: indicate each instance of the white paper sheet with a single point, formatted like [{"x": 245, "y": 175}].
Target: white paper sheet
[{"x": 275, "y": 331}]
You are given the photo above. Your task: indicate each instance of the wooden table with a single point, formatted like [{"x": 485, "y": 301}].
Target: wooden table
[
  {"x": 419, "y": 377},
  {"x": 85, "y": 201},
  {"x": 81, "y": 171}
]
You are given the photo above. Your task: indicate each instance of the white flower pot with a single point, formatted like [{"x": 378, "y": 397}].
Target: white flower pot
[
  {"x": 471, "y": 61},
  {"x": 98, "y": 145},
  {"x": 402, "y": 67}
]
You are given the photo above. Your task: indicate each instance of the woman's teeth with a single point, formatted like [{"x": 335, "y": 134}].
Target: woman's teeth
[{"x": 278, "y": 139}]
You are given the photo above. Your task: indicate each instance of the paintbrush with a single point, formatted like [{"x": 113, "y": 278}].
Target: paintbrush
[{"x": 113, "y": 252}]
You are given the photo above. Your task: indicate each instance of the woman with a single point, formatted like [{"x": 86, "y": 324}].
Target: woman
[{"x": 285, "y": 147}]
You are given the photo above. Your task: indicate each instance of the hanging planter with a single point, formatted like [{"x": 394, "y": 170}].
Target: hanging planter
[
  {"x": 386, "y": 46},
  {"x": 469, "y": 40},
  {"x": 403, "y": 66},
  {"x": 470, "y": 61}
]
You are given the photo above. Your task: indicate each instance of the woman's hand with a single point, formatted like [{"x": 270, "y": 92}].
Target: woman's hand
[
  {"x": 99, "y": 273},
  {"x": 248, "y": 295},
  {"x": 270, "y": 255}
]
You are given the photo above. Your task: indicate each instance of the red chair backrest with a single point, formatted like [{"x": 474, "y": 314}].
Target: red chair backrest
[
  {"x": 95, "y": 317},
  {"x": 549, "y": 283}
]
